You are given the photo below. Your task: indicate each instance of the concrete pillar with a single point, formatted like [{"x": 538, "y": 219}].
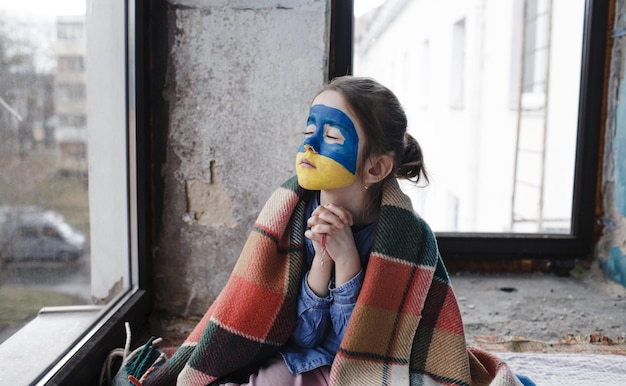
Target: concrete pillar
[{"x": 240, "y": 78}]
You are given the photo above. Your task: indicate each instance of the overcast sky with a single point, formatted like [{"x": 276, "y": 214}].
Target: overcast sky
[{"x": 43, "y": 9}]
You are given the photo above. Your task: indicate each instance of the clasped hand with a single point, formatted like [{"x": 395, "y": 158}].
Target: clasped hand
[{"x": 335, "y": 222}]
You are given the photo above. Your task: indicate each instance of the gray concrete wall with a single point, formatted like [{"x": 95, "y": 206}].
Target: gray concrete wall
[
  {"x": 611, "y": 250},
  {"x": 240, "y": 78}
]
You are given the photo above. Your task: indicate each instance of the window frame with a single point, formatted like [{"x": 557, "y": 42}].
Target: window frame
[
  {"x": 463, "y": 250},
  {"x": 82, "y": 363}
]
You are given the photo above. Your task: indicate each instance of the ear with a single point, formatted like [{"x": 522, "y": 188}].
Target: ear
[{"x": 377, "y": 168}]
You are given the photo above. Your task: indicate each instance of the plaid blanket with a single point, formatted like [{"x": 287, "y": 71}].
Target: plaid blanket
[{"x": 406, "y": 327}]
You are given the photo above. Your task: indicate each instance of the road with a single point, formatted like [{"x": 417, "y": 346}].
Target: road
[{"x": 71, "y": 278}]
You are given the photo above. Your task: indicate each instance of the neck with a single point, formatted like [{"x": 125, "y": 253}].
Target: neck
[{"x": 354, "y": 199}]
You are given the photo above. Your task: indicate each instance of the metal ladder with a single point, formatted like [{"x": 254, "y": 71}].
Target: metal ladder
[{"x": 527, "y": 214}]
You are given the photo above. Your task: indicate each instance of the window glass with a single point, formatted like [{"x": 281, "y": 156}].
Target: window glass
[
  {"x": 63, "y": 154},
  {"x": 491, "y": 93}
]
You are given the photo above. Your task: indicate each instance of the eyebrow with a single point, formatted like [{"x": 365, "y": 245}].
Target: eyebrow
[{"x": 332, "y": 115}]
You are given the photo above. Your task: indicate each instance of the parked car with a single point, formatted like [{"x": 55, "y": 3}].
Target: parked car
[{"x": 32, "y": 233}]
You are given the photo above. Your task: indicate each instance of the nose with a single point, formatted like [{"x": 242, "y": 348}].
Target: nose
[
  {"x": 314, "y": 142},
  {"x": 308, "y": 147}
]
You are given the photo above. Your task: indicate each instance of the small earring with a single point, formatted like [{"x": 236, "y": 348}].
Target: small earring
[{"x": 365, "y": 187}]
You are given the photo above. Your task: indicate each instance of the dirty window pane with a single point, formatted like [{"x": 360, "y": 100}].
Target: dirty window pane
[
  {"x": 491, "y": 93},
  {"x": 49, "y": 225}
]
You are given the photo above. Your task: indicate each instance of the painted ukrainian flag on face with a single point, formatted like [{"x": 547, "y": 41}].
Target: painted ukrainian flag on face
[{"x": 327, "y": 157}]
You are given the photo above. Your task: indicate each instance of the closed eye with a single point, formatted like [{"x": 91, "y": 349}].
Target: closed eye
[{"x": 333, "y": 135}]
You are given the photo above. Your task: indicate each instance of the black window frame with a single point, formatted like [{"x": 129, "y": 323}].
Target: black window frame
[
  {"x": 85, "y": 365},
  {"x": 466, "y": 249}
]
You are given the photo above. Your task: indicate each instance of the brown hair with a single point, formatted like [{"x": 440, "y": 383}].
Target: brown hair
[{"x": 384, "y": 123}]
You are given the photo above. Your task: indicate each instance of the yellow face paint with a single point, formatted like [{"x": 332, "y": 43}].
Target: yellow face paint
[
  {"x": 327, "y": 157},
  {"x": 316, "y": 172}
]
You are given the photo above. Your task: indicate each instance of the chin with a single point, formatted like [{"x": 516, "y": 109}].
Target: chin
[{"x": 317, "y": 183}]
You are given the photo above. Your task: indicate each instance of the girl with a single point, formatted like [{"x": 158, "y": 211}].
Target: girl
[
  {"x": 340, "y": 282},
  {"x": 343, "y": 171},
  {"x": 354, "y": 140}
]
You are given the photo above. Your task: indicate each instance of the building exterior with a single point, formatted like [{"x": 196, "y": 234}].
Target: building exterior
[
  {"x": 491, "y": 92},
  {"x": 26, "y": 103},
  {"x": 70, "y": 96}
]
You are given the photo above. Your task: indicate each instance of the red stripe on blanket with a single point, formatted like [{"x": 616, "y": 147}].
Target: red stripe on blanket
[
  {"x": 262, "y": 263},
  {"x": 449, "y": 319},
  {"x": 249, "y": 296},
  {"x": 393, "y": 277}
]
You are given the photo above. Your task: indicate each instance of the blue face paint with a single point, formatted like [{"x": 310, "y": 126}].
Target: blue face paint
[{"x": 344, "y": 153}]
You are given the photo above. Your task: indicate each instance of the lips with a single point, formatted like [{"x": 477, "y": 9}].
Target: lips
[
  {"x": 305, "y": 163},
  {"x": 307, "y": 159}
]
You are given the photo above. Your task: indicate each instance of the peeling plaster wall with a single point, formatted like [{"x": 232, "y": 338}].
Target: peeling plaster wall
[
  {"x": 240, "y": 77},
  {"x": 611, "y": 248}
]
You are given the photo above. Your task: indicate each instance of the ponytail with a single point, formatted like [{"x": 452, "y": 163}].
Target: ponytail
[{"x": 410, "y": 164}]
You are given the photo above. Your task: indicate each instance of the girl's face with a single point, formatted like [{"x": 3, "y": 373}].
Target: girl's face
[{"x": 327, "y": 158}]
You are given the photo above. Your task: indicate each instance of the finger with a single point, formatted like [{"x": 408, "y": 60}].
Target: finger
[
  {"x": 333, "y": 214},
  {"x": 325, "y": 218},
  {"x": 316, "y": 220},
  {"x": 341, "y": 212},
  {"x": 309, "y": 234},
  {"x": 316, "y": 237},
  {"x": 323, "y": 228}
]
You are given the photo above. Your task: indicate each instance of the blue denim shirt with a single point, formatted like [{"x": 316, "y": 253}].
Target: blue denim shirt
[{"x": 321, "y": 322}]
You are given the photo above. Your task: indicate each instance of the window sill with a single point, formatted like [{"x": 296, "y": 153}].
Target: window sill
[
  {"x": 29, "y": 352},
  {"x": 69, "y": 343}
]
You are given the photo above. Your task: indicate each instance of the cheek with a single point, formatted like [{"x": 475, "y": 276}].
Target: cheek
[
  {"x": 345, "y": 155},
  {"x": 340, "y": 151}
]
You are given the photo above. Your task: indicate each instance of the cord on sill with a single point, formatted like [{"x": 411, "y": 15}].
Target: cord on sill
[{"x": 135, "y": 363}]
